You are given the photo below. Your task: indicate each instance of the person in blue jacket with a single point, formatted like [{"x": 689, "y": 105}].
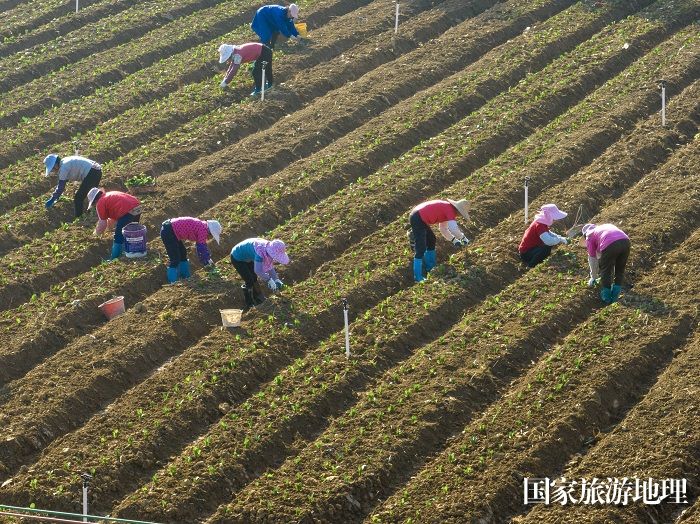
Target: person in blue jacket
[{"x": 271, "y": 20}]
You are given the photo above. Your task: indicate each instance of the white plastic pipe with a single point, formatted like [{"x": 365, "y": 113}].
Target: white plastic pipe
[
  {"x": 85, "y": 502},
  {"x": 663, "y": 104},
  {"x": 527, "y": 180},
  {"x": 262, "y": 93},
  {"x": 347, "y": 329},
  {"x": 396, "y": 23},
  {"x": 76, "y": 5}
]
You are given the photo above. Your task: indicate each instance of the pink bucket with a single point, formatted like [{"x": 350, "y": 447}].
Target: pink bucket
[{"x": 113, "y": 307}]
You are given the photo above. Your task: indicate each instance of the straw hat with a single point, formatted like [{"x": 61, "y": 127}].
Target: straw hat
[{"x": 462, "y": 206}]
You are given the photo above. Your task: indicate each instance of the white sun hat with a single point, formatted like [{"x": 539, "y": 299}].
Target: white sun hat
[
  {"x": 225, "y": 52},
  {"x": 215, "y": 230}
]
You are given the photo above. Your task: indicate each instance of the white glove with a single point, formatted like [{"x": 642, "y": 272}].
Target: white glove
[
  {"x": 272, "y": 284},
  {"x": 223, "y": 84},
  {"x": 296, "y": 38},
  {"x": 592, "y": 282},
  {"x": 563, "y": 240},
  {"x": 279, "y": 283},
  {"x": 457, "y": 242}
]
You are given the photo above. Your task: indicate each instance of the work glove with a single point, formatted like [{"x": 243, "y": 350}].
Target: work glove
[
  {"x": 279, "y": 284},
  {"x": 563, "y": 240},
  {"x": 272, "y": 285},
  {"x": 457, "y": 242},
  {"x": 592, "y": 282},
  {"x": 210, "y": 264},
  {"x": 296, "y": 38},
  {"x": 49, "y": 203},
  {"x": 223, "y": 84}
]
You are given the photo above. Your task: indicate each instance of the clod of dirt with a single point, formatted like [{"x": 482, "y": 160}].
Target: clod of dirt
[
  {"x": 224, "y": 407},
  {"x": 139, "y": 308}
]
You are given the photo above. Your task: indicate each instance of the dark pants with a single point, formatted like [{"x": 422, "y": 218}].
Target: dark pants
[
  {"x": 272, "y": 41},
  {"x": 177, "y": 252},
  {"x": 535, "y": 255},
  {"x": 614, "y": 259},
  {"x": 246, "y": 270},
  {"x": 92, "y": 179},
  {"x": 423, "y": 235},
  {"x": 124, "y": 220},
  {"x": 265, "y": 56}
]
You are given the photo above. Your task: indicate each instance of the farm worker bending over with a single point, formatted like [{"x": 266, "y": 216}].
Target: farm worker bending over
[
  {"x": 240, "y": 54},
  {"x": 538, "y": 240},
  {"x": 608, "y": 249},
  {"x": 118, "y": 207},
  {"x": 443, "y": 213},
  {"x": 175, "y": 230},
  {"x": 271, "y": 20},
  {"x": 254, "y": 258},
  {"x": 73, "y": 169}
]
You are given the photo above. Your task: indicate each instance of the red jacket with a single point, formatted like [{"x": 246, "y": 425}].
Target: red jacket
[
  {"x": 436, "y": 211},
  {"x": 115, "y": 204},
  {"x": 531, "y": 238}
]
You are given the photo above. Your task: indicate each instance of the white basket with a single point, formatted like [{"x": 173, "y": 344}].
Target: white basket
[{"x": 231, "y": 317}]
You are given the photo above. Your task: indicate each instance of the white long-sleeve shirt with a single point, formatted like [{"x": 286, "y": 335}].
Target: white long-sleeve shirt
[{"x": 450, "y": 230}]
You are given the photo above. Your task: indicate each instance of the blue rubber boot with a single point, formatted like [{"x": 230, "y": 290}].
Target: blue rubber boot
[
  {"x": 606, "y": 295},
  {"x": 184, "y": 269},
  {"x": 418, "y": 269},
  {"x": 172, "y": 275},
  {"x": 429, "y": 260},
  {"x": 615, "y": 293},
  {"x": 116, "y": 250}
]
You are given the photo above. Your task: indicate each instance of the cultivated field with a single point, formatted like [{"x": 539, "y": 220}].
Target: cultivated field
[{"x": 457, "y": 388}]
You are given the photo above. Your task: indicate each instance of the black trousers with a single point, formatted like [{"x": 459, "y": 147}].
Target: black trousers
[
  {"x": 246, "y": 270},
  {"x": 272, "y": 41},
  {"x": 613, "y": 259},
  {"x": 177, "y": 252},
  {"x": 92, "y": 179},
  {"x": 423, "y": 235},
  {"x": 535, "y": 255},
  {"x": 265, "y": 56}
]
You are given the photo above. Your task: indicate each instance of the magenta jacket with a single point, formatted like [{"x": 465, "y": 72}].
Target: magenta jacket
[{"x": 601, "y": 237}]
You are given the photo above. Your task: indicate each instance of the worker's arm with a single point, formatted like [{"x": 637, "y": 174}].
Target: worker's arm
[
  {"x": 593, "y": 265},
  {"x": 236, "y": 60},
  {"x": 264, "y": 275},
  {"x": 552, "y": 239},
  {"x": 203, "y": 253},
  {"x": 450, "y": 230},
  {"x": 59, "y": 190}
]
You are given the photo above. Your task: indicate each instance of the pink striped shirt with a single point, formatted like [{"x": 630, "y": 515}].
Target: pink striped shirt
[{"x": 601, "y": 237}]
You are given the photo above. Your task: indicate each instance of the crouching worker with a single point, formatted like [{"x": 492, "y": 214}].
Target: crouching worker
[
  {"x": 443, "y": 213},
  {"x": 175, "y": 230},
  {"x": 72, "y": 169},
  {"x": 253, "y": 258},
  {"x": 608, "y": 250},
  {"x": 271, "y": 20},
  {"x": 538, "y": 240},
  {"x": 120, "y": 208},
  {"x": 241, "y": 54}
]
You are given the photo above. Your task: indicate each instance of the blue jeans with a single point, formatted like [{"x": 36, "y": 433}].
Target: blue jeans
[{"x": 423, "y": 235}]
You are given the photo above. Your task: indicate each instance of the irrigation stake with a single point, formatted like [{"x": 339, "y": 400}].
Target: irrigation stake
[
  {"x": 396, "y": 23},
  {"x": 76, "y": 5},
  {"x": 527, "y": 181},
  {"x": 662, "y": 84},
  {"x": 262, "y": 93},
  {"x": 344, "y": 301},
  {"x": 86, "y": 481}
]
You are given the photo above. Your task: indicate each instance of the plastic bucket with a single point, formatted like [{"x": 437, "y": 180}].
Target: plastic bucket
[
  {"x": 231, "y": 317},
  {"x": 301, "y": 28},
  {"x": 135, "y": 240},
  {"x": 112, "y": 308}
]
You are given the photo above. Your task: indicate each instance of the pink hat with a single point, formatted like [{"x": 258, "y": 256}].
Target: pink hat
[
  {"x": 278, "y": 251},
  {"x": 587, "y": 229},
  {"x": 294, "y": 10},
  {"x": 548, "y": 213}
]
